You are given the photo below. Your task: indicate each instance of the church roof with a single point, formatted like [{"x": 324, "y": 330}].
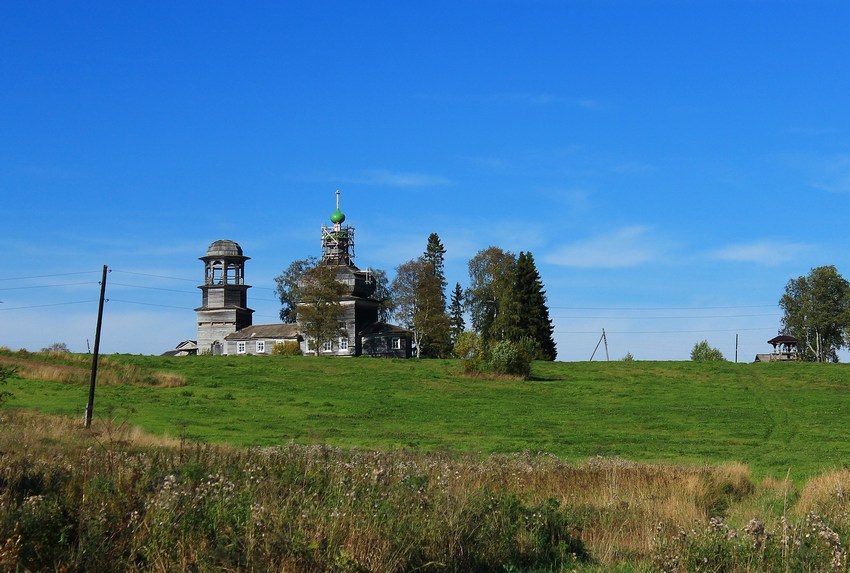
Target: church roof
[
  {"x": 224, "y": 248},
  {"x": 285, "y": 331}
]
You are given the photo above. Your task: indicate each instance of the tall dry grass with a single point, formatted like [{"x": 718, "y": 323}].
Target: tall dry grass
[
  {"x": 76, "y": 369},
  {"x": 618, "y": 503},
  {"x": 828, "y": 494},
  {"x": 787, "y": 530},
  {"x": 116, "y": 499}
]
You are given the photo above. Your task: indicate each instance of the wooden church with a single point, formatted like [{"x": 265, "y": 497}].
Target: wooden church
[{"x": 224, "y": 319}]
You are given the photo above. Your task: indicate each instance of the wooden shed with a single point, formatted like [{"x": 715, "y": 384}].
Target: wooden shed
[{"x": 384, "y": 340}]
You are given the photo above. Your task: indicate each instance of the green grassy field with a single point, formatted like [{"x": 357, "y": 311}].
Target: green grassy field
[{"x": 774, "y": 417}]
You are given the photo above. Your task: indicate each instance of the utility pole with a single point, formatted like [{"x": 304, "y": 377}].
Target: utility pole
[
  {"x": 601, "y": 338},
  {"x": 90, "y": 406},
  {"x": 605, "y": 338},
  {"x": 736, "y": 349}
]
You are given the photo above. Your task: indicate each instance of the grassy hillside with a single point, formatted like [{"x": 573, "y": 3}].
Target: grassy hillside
[{"x": 773, "y": 417}]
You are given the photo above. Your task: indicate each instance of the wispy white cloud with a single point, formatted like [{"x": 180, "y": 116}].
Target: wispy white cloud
[
  {"x": 532, "y": 98},
  {"x": 574, "y": 201},
  {"x": 491, "y": 164},
  {"x": 812, "y": 131},
  {"x": 549, "y": 99},
  {"x": 765, "y": 251},
  {"x": 462, "y": 243},
  {"x": 522, "y": 98},
  {"x": 832, "y": 174},
  {"x": 633, "y": 168},
  {"x": 627, "y": 247},
  {"x": 389, "y": 178},
  {"x": 588, "y": 103}
]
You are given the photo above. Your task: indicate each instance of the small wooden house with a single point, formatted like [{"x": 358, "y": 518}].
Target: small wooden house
[{"x": 260, "y": 338}]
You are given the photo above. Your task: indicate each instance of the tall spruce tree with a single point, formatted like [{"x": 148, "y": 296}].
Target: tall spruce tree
[
  {"x": 439, "y": 343},
  {"x": 435, "y": 254},
  {"x": 458, "y": 324},
  {"x": 528, "y": 314}
]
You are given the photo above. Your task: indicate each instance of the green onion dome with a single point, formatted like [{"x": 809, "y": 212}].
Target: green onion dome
[{"x": 337, "y": 217}]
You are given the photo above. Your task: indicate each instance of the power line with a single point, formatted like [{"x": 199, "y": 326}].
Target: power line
[
  {"x": 180, "y": 291},
  {"x": 277, "y": 317},
  {"x": 153, "y": 288},
  {"x": 666, "y": 317},
  {"x": 155, "y": 276},
  {"x": 637, "y": 308},
  {"x": 149, "y": 304},
  {"x": 50, "y": 304},
  {"x": 46, "y": 276},
  {"x": 47, "y": 286},
  {"x": 772, "y": 328}
]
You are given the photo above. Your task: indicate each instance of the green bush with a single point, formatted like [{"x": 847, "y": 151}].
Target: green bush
[
  {"x": 288, "y": 348},
  {"x": 510, "y": 358},
  {"x": 703, "y": 352},
  {"x": 503, "y": 357},
  {"x": 6, "y": 372},
  {"x": 468, "y": 349}
]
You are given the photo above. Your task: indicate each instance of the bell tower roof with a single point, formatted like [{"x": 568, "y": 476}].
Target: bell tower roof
[{"x": 224, "y": 248}]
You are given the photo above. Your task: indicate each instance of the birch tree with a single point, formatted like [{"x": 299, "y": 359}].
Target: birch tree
[
  {"x": 491, "y": 279},
  {"x": 817, "y": 313},
  {"x": 318, "y": 295},
  {"x": 419, "y": 305},
  {"x": 287, "y": 287}
]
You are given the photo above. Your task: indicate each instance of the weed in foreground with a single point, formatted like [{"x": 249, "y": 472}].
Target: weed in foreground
[{"x": 102, "y": 503}]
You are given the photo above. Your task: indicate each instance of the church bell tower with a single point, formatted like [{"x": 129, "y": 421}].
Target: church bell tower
[{"x": 224, "y": 307}]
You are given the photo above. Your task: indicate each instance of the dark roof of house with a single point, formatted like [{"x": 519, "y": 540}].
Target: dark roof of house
[
  {"x": 782, "y": 338},
  {"x": 286, "y": 331},
  {"x": 184, "y": 347},
  {"x": 382, "y": 328}
]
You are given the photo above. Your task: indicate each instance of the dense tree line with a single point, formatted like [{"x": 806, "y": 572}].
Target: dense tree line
[{"x": 507, "y": 302}]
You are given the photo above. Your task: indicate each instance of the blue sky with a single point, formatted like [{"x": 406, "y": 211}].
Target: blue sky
[{"x": 670, "y": 165}]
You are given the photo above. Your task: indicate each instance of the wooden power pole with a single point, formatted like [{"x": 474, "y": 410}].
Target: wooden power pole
[
  {"x": 736, "y": 349},
  {"x": 601, "y": 339},
  {"x": 90, "y": 406}
]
